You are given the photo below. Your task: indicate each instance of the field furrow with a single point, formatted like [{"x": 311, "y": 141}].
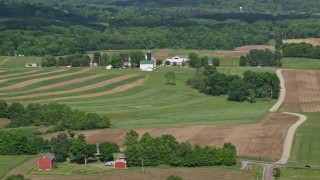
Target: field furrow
[
  {"x": 112, "y": 91},
  {"x": 32, "y": 81}
]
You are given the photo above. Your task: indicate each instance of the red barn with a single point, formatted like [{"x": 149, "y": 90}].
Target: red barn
[
  {"x": 120, "y": 164},
  {"x": 46, "y": 162}
]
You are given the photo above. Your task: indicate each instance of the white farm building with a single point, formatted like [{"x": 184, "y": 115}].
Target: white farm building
[
  {"x": 147, "y": 65},
  {"x": 178, "y": 60}
]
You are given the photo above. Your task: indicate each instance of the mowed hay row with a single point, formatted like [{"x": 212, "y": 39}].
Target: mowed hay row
[
  {"x": 13, "y": 73},
  {"x": 21, "y": 78},
  {"x": 110, "y": 87},
  {"x": 33, "y": 73},
  {"x": 20, "y": 91},
  {"x": 32, "y": 81},
  {"x": 106, "y": 81},
  {"x": 53, "y": 83},
  {"x": 265, "y": 138}
]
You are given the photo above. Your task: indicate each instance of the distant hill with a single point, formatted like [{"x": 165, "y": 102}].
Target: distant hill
[{"x": 56, "y": 27}]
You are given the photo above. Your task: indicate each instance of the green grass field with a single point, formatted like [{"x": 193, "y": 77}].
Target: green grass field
[
  {"x": 296, "y": 173},
  {"x": 19, "y": 62},
  {"x": 7, "y": 162},
  {"x": 300, "y": 63},
  {"x": 306, "y": 142}
]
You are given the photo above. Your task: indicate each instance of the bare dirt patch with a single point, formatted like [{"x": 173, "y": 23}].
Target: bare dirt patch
[
  {"x": 264, "y": 139},
  {"x": 103, "y": 93},
  {"x": 163, "y": 52},
  {"x": 313, "y": 41},
  {"x": 92, "y": 86},
  {"x": 303, "y": 87},
  {"x": 243, "y": 50},
  {"x": 32, "y": 81},
  {"x": 4, "y": 122}
]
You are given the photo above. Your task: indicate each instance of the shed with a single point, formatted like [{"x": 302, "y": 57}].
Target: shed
[
  {"x": 147, "y": 65},
  {"x": 31, "y": 64},
  {"x": 109, "y": 67},
  {"x": 46, "y": 162},
  {"x": 120, "y": 164}
]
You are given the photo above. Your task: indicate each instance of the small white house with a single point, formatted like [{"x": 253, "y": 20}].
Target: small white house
[
  {"x": 109, "y": 67},
  {"x": 147, "y": 65},
  {"x": 178, "y": 60},
  {"x": 31, "y": 64}
]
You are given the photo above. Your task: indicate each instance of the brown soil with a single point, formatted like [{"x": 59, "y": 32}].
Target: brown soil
[
  {"x": 14, "y": 74},
  {"x": 313, "y": 41},
  {"x": 4, "y": 122},
  {"x": 243, "y": 50},
  {"x": 92, "y": 86},
  {"x": 112, "y": 91},
  {"x": 28, "y": 82},
  {"x": 59, "y": 84},
  {"x": 265, "y": 138},
  {"x": 163, "y": 52},
  {"x": 303, "y": 87},
  {"x": 136, "y": 174}
]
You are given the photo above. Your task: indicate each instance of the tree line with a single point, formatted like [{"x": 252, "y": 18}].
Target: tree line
[
  {"x": 117, "y": 60},
  {"x": 302, "y": 50},
  {"x": 253, "y": 85},
  {"x": 63, "y": 146},
  {"x": 60, "y": 116},
  {"x": 165, "y": 150},
  {"x": 196, "y": 62},
  {"x": 261, "y": 57}
]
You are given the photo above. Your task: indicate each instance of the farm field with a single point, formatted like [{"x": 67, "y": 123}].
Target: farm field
[
  {"x": 65, "y": 172},
  {"x": 313, "y": 41},
  {"x": 249, "y": 139},
  {"x": 140, "y": 100},
  {"x": 296, "y": 173},
  {"x": 7, "y": 162},
  {"x": 303, "y": 87},
  {"x": 305, "y": 149},
  {"x": 300, "y": 63},
  {"x": 19, "y": 61}
]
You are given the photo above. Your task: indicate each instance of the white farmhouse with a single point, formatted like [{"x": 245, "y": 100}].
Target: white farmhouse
[
  {"x": 147, "y": 65},
  {"x": 178, "y": 60}
]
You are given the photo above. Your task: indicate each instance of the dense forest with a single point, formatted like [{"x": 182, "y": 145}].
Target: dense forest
[{"x": 43, "y": 27}]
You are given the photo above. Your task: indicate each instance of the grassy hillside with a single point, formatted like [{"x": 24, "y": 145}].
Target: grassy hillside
[
  {"x": 7, "y": 162},
  {"x": 153, "y": 104},
  {"x": 300, "y": 63}
]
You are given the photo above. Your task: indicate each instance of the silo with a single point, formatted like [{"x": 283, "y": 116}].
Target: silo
[{"x": 149, "y": 56}]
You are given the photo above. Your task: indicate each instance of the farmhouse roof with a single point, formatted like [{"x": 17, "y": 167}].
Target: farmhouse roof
[
  {"x": 49, "y": 156},
  {"x": 121, "y": 155},
  {"x": 146, "y": 62}
]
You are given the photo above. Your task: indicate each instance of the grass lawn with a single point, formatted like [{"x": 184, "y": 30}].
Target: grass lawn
[
  {"x": 71, "y": 169},
  {"x": 296, "y": 173},
  {"x": 229, "y": 61},
  {"x": 7, "y": 162},
  {"x": 300, "y": 63},
  {"x": 20, "y": 62},
  {"x": 306, "y": 142}
]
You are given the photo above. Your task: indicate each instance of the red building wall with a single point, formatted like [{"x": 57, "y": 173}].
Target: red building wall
[
  {"x": 120, "y": 165},
  {"x": 44, "y": 164}
]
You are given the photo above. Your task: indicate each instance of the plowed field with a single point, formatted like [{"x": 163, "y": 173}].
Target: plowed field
[
  {"x": 313, "y": 41},
  {"x": 265, "y": 138},
  {"x": 303, "y": 91}
]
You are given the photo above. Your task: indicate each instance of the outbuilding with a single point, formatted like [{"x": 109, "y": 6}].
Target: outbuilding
[
  {"x": 46, "y": 162},
  {"x": 147, "y": 65},
  {"x": 31, "y": 64},
  {"x": 120, "y": 164}
]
